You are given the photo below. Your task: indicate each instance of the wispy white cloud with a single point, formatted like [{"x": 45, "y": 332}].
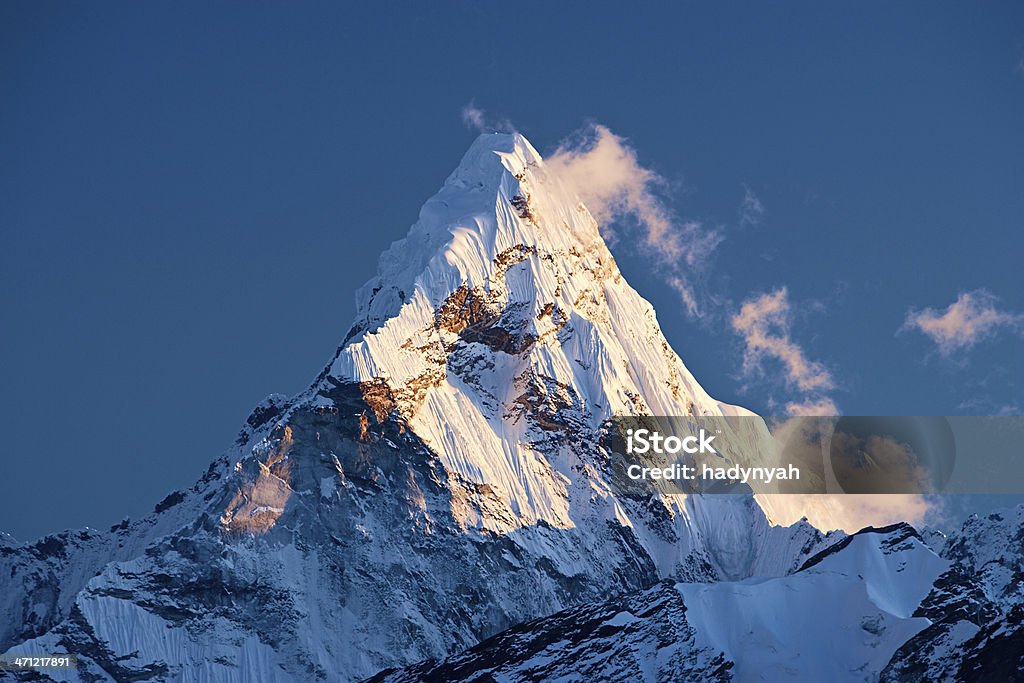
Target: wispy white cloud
[
  {"x": 751, "y": 209},
  {"x": 812, "y": 407},
  {"x": 603, "y": 169},
  {"x": 476, "y": 119},
  {"x": 686, "y": 294},
  {"x": 983, "y": 405},
  {"x": 972, "y": 318},
  {"x": 764, "y": 322},
  {"x": 473, "y": 117}
]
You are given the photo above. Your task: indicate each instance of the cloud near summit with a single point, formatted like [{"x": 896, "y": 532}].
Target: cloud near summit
[
  {"x": 475, "y": 118},
  {"x": 627, "y": 200},
  {"x": 602, "y": 168}
]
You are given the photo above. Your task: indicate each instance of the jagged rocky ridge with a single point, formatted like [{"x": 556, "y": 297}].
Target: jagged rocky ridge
[
  {"x": 839, "y": 618},
  {"x": 442, "y": 480},
  {"x": 879, "y": 605},
  {"x": 975, "y": 609}
]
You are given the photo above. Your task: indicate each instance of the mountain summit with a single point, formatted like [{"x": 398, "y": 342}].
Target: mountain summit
[
  {"x": 442, "y": 480},
  {"x": 501, "y": 323}
]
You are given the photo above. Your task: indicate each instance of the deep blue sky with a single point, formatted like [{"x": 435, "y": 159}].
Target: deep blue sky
[{"x": 191, "y": 193}]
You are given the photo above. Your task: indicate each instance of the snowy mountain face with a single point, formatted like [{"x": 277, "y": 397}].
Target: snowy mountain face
[{"x": 444, "y": 480}]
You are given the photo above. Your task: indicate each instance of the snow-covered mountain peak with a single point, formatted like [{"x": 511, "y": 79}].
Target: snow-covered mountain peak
[
  {"x": 486, "y": 207},
  {"x": 501, "y": 324},
  {"x": 474, "y": 229},
  {"x": 505, "y": 258},
  {"x": 490, "y": 155}
]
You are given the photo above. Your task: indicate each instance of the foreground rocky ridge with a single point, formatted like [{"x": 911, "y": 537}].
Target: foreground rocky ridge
[{"x": 879, "y": 605}]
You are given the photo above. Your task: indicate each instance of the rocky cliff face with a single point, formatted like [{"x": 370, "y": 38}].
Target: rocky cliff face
[{"x": 975, "y": 609}]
